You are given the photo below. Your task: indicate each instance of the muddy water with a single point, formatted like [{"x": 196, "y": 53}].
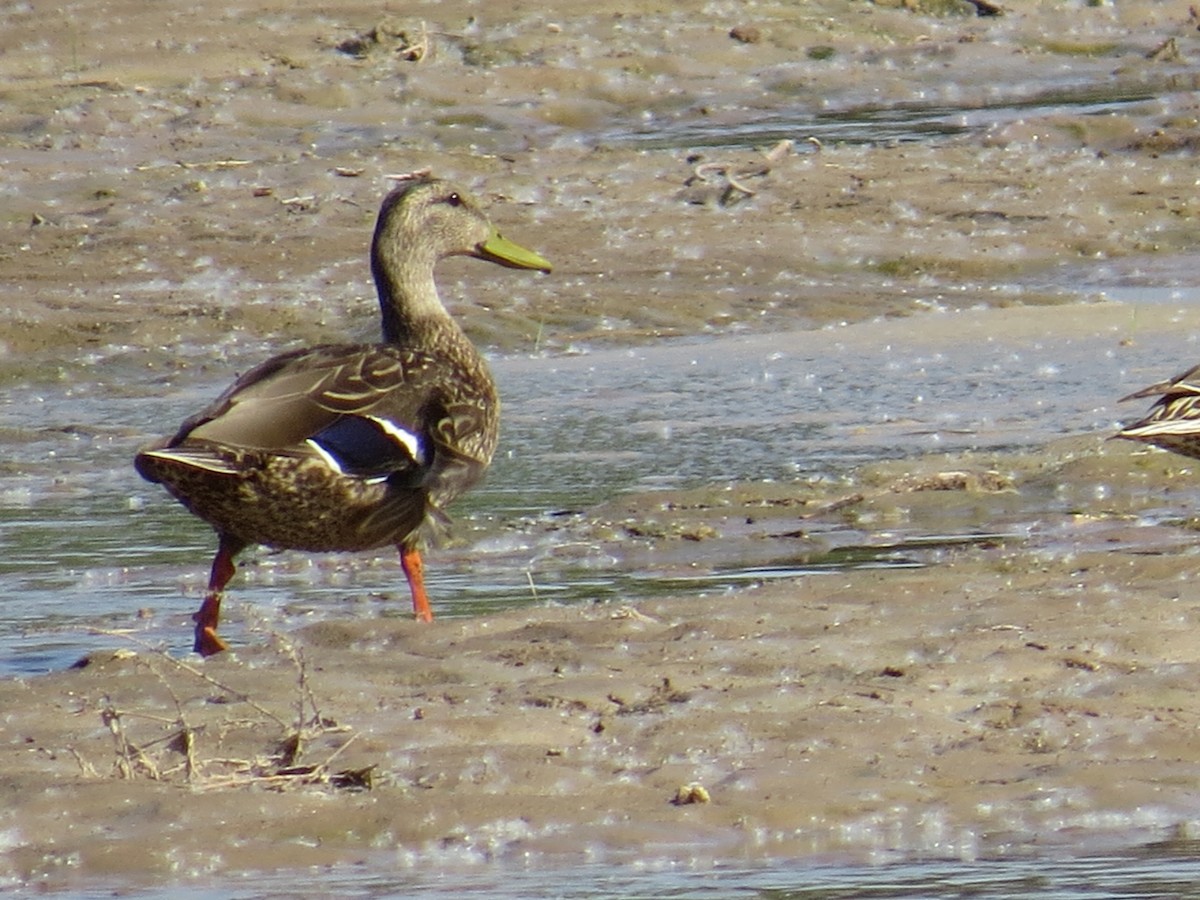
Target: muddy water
[{"x": 88, "y": 544}]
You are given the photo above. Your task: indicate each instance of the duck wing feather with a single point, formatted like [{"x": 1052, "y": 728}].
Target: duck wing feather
[{"x": 368, "y": 410}]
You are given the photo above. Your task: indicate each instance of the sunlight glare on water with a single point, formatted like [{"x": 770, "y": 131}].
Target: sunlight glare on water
[{"x": 88, "y": 543}]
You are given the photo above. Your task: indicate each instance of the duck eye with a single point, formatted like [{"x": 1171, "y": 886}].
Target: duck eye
[{"x": 454, "y": 200}]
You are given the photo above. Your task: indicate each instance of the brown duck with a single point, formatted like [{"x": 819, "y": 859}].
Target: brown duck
[
  {"x": 1173, "y": 422},
  {"x": 345, "y": 447}
]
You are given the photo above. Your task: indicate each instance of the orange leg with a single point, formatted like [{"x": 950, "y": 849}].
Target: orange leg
[
  {"x": 206, "y": 618},
  {"x": 414, "y": 571}
]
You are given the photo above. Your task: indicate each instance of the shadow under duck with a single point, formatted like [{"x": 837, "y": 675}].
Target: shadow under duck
[{"x": 350, "y": 447}]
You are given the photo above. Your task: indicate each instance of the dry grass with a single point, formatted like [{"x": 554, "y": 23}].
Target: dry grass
[{"x": 182, "y": 741}]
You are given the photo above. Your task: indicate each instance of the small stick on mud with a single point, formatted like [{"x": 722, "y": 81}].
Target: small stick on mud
[
  {"x": 162, "y": 655},
  {"x": 130, "y": 757},
  {"x": 735, "y": 186}
]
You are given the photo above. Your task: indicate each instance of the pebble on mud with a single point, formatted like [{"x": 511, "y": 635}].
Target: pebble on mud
[
  {"x": 687, "y": 794},
  {"x": 745, "y": 34}
]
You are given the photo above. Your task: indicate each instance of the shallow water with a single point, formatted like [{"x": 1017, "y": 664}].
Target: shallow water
[
  {"x": 904, "y": 122},
  {"x": 86, "y": 543},
  {"x": 1160, "y": 871}
]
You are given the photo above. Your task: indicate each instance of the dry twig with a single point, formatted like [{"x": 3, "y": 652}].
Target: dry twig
[{"x": 134, "y": 759}]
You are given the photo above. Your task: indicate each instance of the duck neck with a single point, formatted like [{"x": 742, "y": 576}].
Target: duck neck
[{"x": 409, "y": 305}]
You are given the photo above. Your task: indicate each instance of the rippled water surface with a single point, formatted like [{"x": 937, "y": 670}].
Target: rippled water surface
[{"x": 1164, "y": 871}]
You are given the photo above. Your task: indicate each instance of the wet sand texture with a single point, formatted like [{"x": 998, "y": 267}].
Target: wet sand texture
[{"x": 1005, "y": 700}]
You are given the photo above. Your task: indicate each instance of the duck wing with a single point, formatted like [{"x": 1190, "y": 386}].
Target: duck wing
[
  {"x": 1173, "y": 422},
  {"x": 1185, "y": 384},
  {"x": 372, "y": 411}
]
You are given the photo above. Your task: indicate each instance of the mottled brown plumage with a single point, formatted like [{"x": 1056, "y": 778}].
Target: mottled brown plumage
[
  {"x": 345, "y": 447},
  {"x": 1173, "y": 422}
]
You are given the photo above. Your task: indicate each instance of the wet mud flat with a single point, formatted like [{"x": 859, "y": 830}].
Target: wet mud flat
[
  {"x": 1021, "y": 692},
  {"x": 1025, "y": 685},
  {"x": 200, "y": 198}
]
